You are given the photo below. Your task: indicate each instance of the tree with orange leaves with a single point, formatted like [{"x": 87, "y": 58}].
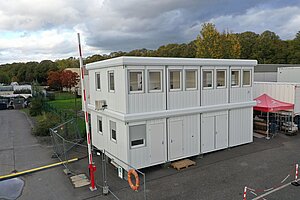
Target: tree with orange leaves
[
  {"x": 69, "y": 79},
  {"x": 54, "y": 80}
]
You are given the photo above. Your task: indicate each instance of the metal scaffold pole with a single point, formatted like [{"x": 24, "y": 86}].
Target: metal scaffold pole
[{"x": 92, "y": 167}]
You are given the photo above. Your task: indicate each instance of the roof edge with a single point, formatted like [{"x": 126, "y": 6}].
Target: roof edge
[{"x": 133, "y": 60}]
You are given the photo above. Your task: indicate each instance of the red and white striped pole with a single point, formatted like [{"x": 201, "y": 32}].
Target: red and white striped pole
[
  {"x": 245, "y": 193},
  {"x": 297, "y": 172},
  {"x": 92, "y": 167}
]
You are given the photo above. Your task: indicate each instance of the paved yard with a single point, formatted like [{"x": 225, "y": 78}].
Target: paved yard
[
  {"x": 219, "y": 175},
  {"x": 19, "y": 150}
]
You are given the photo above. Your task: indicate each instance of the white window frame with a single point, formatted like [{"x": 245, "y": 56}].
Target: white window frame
[
  {"x": 196, "y": 79},
  {"x": 96, "y": 77},
  {"x": 144, "y": 139},
  {"x": 239, "y": 80},
  {"x": 143, "y": 81},
  {"x": 111, "y": 72},
  {"x": 212, "y": 79},
  {"x": 110, "y": 131},
  {"x": 250, "y": 78},
  {"x": 180, "y": 80},
  {"x": 225, "y": 78},
  {"x": 99, "y": 118},
  {"x": 161, "y": 80}
]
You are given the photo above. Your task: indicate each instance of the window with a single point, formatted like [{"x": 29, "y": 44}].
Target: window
[
  {"x": 111, "y": 81},
  {"x": 221, "y": 78},
  {"x": 191, "y": 79},
  {"x": 98, "y": 86},
  {"x": 99, "y": 127},
  {"x": 113, "y": 131},
  {"x": 207, "y": 79},
  {"x": 135, "y": 81},
  {"x": 175, "y": 76},
  {"x": 235, "y": 78},
  {"x": 155, "y": 81},
  {"x": 137, "y": 136},
  {"x": 246, "y": 78}
]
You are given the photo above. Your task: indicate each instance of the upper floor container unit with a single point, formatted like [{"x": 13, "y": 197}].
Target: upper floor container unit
[{"x": 136, "y": 85}]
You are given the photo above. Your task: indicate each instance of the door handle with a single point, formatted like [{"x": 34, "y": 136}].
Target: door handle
[
  {"x": 171, "y": 141},
  {"x": 162, "y": 142}
]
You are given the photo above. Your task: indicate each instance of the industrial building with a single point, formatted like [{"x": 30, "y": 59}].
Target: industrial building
[
  {"x": 277, "y": 72},
  {"x": 148, "y": 111}
]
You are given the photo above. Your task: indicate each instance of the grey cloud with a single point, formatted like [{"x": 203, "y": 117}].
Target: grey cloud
[{"x": 112, "y": 25}]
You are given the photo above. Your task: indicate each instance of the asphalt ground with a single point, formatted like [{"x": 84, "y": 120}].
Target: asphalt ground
[
  {"x": 260, "y": 165},
  {"x": 20, "y": 150}
]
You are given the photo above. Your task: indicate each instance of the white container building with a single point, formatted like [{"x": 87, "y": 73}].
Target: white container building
[
  {"x": 288, "y": 74},
  {"x": 148, "y": 111},
  {"x": 282, "y": 91}
]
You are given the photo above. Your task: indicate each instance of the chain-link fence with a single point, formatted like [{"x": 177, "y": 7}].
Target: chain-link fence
[
  {"x": 67, "y": 142},
  {"x": 115, "y": 180},
  {"x": 112, "y": 173}
]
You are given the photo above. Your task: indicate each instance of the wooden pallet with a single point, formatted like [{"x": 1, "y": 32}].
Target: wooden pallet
[{"x": 182, "y": 164}]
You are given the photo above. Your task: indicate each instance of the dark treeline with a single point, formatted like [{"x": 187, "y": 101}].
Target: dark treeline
[{"x": 266, "y": 47}]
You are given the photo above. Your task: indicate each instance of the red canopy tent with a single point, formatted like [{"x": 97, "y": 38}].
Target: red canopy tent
[{"x": 265, "y": 103}]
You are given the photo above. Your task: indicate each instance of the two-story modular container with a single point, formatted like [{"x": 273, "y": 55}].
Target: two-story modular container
[{"x": 147, "y": 111}]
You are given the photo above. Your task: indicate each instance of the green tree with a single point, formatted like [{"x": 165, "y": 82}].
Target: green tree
[
  {"x": 230, "y": 45},
  {"x": 208, "y": 42},
  {"x": 267, "y": 47},
  {"x": 247, "y": 41},
  {"x": 294, "y": 50},
  {"x": 94, "y": 58},
  {"x": 67, "y": 63},
  {"x": 212, "y": 44},
  {"x": 4, "y": 78}
]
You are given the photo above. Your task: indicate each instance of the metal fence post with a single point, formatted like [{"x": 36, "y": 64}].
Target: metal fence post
[{"x": 105, "y": 186}]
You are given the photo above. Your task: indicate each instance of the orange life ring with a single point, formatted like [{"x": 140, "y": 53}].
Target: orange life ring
[{"x": 137, "y": 180}]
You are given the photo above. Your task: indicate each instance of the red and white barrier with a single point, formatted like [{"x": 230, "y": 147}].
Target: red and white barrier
[
  {"x": 92, "y": 167},
  {"x": 245, "y": 193}
]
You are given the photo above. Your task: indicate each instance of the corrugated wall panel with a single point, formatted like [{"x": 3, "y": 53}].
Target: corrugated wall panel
[
  {"x": 141, "y": 157},
  {"x": 115, "y": 100},
  {"x": 241, "y": 94},
  {"x": 240, "y": 126},
  {"x": 280, "y": 91},
  {"x": 98, "y": 140},
  {"x": 191, "y": 130},
  {"x": 190, "y": 134},
  {"x": 146, "y": 102},
  {"x": 265, "y": 76},
  {"x": 183, "y": 99},
  {"x": 214, "y": 96},
  {"x": 118, "y": 148}
]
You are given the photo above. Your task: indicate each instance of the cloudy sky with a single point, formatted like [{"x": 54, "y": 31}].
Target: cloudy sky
[{"x": 38, "y": 29}]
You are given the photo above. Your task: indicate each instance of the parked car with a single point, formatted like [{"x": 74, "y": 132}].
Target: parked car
[{"x": 3, "y": 106}]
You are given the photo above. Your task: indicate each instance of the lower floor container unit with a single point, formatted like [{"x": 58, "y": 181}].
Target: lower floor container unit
[{"x": 147, "y": 143}]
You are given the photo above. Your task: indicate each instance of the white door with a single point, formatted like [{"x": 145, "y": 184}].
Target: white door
[
  {"x": 175, "y": 140},
  {"x": 221, "y": 131},
  {"x": 207, "y": 134},
  {"x": 157, "y": 149}
]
